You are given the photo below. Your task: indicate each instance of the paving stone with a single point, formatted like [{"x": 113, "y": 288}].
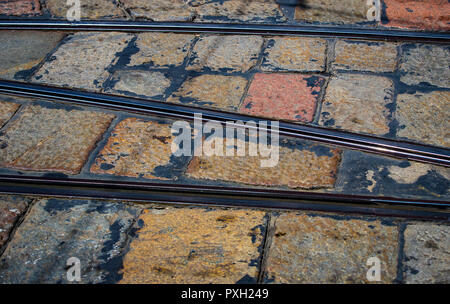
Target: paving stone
[
  {"x": 22, "y": 51},
  {"x": 367, "y": 174},
  {"x": 11, "y": 208},
  {"x": 7, "y": 110},
  {"x": 330, "y": 249},
  {"x": 427, "y": 254},
  {"x": 56, "y": 230},
  {"x": 211, "y": 91},
  {"x": 138, "y": 148},
  {"x": 196, "y": 246},
  {"x": 89, "y": 9},
  {"x": 226, "y": 53},
  {"x": 304, "y": 166},
  {"x": 159, "y": 10},
  {"x": 431, "y": 15},
  {"x": 295, "y": 54},
  {"x": 425, "y": 64},
  {"x": 365, "y": 56},
  {"x": 255, "y": 11},
  {"x": 82, "y": 61},
  {"x": 161, "y": 49},
  {"x": 137, "y": 82},
  {"x": 283, "y": 96},
  {"x": 424, "y": 117},
  {"x": 51, "y": 138},
  {"x": 358, "y": 103},
  {"x": 330, "y": 11},
  {"x": 20, "y": 7}
]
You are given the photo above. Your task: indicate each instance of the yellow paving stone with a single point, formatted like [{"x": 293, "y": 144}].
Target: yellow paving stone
[
  {"x": 51, "y": 139},
  {"x": 161, "y": 49},
  {"x": 7, "y": 110},
  {"x": 195, "y": 246}
]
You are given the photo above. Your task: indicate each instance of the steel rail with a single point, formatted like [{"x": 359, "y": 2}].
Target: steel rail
[
  {"x": 371, "y": 144},
  {"x": 177, "y": 194},
  {"x": 226, "y": 28}
]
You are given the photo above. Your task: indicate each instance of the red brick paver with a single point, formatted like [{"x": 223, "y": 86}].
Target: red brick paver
[
  {"x": 283, "y": 96},
  {"x": 418, "y": 14},
  {"x": 20, "y": 7}
]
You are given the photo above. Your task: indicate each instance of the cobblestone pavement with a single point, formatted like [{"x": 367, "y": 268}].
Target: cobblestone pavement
[
  {"x": 121, "y": 242},
  {"x": 431, "y": 15},
  {"x": 395, "y": 90}
]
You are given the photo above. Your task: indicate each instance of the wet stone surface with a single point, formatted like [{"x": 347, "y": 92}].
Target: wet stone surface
[
  {"x": 138, "y": 148},
  {"x": 283, "y": 96},
  {"x": 295, "y": 54},
  {"x": 7, "y": 110},
  {"x": 424, "y": 117},
  {"x": 159, "y": 10},
  {"x": 61, "y": 144},
  {"x": 89, "y": 9},
  {"x": 330, "y": 11},
  {"x": 365, "y": 56},
  {"x": 211, "y": 91},
  {"x": 427, "y": 254},
  {"x": 300, "y": 165},
  {"x": 161, "y": 49},
  {"x": 358, "y": 103},
  {"x": 435, "y": 72},
  {"x": 196, "y": 246},
  {"x": 11, "y": 208},
  {"x": 253, "y": 11},
  {"x": 141, "y": 83},
  {"x": 20, "y": 7},
  {"x": 430, "y": 15},
  {"x": 94, "y": 232},
  {"x": 82, "y": 60},
  {"x": 226, "y": 53},
  {"x": 22, "y": 51},
  {"x": 330, "y": 249},
  {"x": 366, "y": 174}
]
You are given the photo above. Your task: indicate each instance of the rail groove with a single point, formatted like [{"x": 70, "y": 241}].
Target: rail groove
[{"x": 226, "y": 28}]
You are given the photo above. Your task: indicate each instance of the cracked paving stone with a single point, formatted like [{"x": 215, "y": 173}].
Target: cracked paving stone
[
  {"x": 254, "y": 11},
  {"x": 89, "y": 9},
  {"x": 331, "y": 11},
  {"x": 138, "y": 148},
  {"x": 427, "y": 254},
  {"x": 365, "y": 56},
  {"x": 425, "y": 64},
  {"x": 226, "y": 53},
  {"x": 365, "y": 174},
  {"x": 424, "y": 117},
  {"x": 430, "y": 15},
  {"x": 211, "y": 91},
  {"x": 358, "y": 103},
  {"x": 20, "y": 7},
  {"x": 143, "y": 83},
  {"x": 330, "y": 249},
  {"x": 7, "y": 110},
  {"x": 305, "y": 166},
  {"x": 295, "y": 54},
  {"x": 22, "y": 51},
  {"x": 11, "y": 208},
  {"x": 196, "y": 245},
  {"x": 159, "y": 10},
  {"x": 82, "y": 60},
  {"x": 51, "y": 139},
  {"x": 283, "y": 96},
  {"x": 161, "y": 49},
  {"x": 92, "y": 231}
]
